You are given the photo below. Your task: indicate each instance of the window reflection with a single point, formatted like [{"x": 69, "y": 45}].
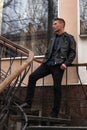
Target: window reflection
[
  {"x": 83, "y": 17},
  {"x": 26, "y": 22}
]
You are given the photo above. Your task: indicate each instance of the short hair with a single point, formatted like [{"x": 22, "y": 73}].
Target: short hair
[{"x": 61, "y": 20}]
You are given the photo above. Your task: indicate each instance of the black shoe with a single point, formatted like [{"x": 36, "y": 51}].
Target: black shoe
[
  {"x": 54, "y": 115},
  {"x": 25, "y": 105}
]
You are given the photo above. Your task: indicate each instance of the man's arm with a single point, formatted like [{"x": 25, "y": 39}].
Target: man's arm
[{"x": 72, "y": 51}]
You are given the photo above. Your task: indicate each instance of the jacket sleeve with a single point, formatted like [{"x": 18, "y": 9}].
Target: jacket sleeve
[{"x": 72, "y": 51}]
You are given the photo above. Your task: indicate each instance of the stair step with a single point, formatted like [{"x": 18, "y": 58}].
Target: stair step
[
  {"x": 55, "y": 128},
  {"x": 42, "y": 119}
]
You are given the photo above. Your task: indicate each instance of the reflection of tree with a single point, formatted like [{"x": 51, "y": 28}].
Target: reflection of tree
[
  {"x": 39, "y": 29},
  {"x": 83, "y": 9},
  {"x": 83, "y": 17},
  {"x": 15, "y": 18},
  {"x": 10, "y": 17},
  {"x": 30, "y": 18},
  {"x": 50, "y": 17},
  {"x": 7, "y": 3},
  {"x": 31, "y": 29}
]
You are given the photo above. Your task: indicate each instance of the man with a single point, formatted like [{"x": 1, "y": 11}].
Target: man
[{"x": 60, "y": 53}]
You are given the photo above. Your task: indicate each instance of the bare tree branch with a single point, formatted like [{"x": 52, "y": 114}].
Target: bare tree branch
[{"x": 6, "y": 4}]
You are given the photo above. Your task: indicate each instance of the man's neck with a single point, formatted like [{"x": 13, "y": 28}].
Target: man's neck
[{"x": 60, "y": 32}]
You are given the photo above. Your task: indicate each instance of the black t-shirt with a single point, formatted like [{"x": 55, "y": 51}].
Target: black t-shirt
[{"x": 55, "y": 46}]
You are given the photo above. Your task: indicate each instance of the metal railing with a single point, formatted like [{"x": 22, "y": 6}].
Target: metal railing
[{"x": 11, "y": 81}]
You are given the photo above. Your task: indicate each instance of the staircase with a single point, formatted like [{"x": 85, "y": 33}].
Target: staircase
[
  {"x": 11, "y": 78},
  {"x": 12, "y": 115}
]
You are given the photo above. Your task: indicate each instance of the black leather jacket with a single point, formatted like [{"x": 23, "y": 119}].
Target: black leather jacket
[{"x": 66, "y": 51}]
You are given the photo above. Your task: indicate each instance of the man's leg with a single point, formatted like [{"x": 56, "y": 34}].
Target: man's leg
[
  {"x": 40, "y": 72},
  {"x": 57, "y": 75}
]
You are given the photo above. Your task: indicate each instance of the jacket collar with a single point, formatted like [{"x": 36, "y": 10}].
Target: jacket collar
[{"x": 65, "y": 34}]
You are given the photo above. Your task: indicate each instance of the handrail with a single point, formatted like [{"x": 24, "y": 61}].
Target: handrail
[
  {"x": 14, "y": 46},
  {"x": 18, "y": 71},
  {"x": 37, "y": 59}
]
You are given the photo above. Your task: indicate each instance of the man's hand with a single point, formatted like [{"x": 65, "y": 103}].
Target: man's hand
[{"x": 63, "y": 66}]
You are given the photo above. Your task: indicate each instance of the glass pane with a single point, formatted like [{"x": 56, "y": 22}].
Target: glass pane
[
  {"x": 26, "y": 22},
  {"x": 83, "y": 17}
]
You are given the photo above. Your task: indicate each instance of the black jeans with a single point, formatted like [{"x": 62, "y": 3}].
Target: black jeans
[{"x": 40, "y": 72}]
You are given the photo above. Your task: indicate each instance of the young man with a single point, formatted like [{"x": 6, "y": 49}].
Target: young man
[{"x": 60, "y": 53}]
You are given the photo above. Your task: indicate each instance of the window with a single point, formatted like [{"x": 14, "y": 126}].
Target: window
[
  {"x": 28, "y": 22},
  {"x": 83, "y": 18}
]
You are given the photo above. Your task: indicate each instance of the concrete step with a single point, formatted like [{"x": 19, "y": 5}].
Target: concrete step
[
  {"x": 35, "y": 116},
  {"x": 55, "y": 128},
  {"x": 42, "y": 121}
]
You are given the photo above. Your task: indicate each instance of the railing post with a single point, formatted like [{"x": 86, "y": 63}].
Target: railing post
[{"x": 66, "y": 93}]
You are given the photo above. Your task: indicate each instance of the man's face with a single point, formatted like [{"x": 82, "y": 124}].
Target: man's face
[{"x": 57, "y": 26}]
